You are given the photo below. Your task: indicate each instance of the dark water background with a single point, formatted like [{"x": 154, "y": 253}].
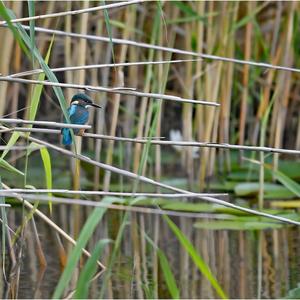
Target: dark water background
[{"x": 233, "y": 257}]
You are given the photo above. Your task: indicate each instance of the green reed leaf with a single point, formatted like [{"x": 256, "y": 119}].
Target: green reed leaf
[
  {"x": 198, "y": 260},
  {"x": 89, "y": 270},
  {"x": 85, "y": 234},
  {"x": 168, "y": 274}
]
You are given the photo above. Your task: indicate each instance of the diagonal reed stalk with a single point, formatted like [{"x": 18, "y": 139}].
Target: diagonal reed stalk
[
  {"x": 49, "y": 222},
  {"x": 115, "y": 90},
  {"x": 168, "y": 49},
  {"x": 155, "y": 183},
  {"x": 100, "y": 66},
  {"x": 75, "y": 12}
]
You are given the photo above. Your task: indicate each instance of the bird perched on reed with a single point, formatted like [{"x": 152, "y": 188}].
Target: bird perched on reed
[{"x": 78, "y": 114}]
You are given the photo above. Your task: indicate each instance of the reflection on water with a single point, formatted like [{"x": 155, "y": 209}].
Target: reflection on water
[{"x": 233, "y": 257}]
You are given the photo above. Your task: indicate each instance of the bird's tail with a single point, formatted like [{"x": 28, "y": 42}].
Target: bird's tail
[{"x": 67, "y": 138}]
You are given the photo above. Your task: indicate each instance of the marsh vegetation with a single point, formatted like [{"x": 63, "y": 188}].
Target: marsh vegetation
[{"x": 185, "y": 184}]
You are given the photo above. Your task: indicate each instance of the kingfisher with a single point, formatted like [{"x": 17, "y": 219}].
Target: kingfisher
[{"x": 78, "y": 114}]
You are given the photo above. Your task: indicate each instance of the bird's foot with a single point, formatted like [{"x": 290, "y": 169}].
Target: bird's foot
[{"x": 81, "y": 132}]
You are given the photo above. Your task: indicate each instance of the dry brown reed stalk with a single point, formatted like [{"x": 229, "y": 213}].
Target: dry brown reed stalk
[
  {"x": 118, "y": 81},
  {"x": 136, "y": 255},
  {"x": 106, "y": 53},
  {"x": 284, "y": 85},
  {"x": 138, "y": 238},
  {"x": 48, "y": 7},
  {"x": 6, "y": 52},
  {"x": 187, "y": 111},
  {"x": 68, "y": 58},
  {"x": 212, "y": 86},
  {"x": 143, "y": 106},
  {"x": 159, "y": 83},
  {"x": 245, "y": 92},
  {"x": 162, "y": 74},
  {"x": 227, "y": 48},
  {"x": 198, "y": 80},
  {"x": 265, "y": 98},
  {"x": 39, "y": 250},
  {"x": 16, "y": 90},
  {"x": 130, "y": 108},
  {"x": 80, "y": 77}
]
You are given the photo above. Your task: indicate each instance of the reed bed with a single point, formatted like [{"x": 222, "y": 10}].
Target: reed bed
[{"x": 225, "y": 74}]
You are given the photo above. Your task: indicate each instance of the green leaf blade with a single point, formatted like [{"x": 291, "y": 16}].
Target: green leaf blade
[
  {"x": 89, "y": 270},
  {"x": 82, "y": 240},
  {"x": 202, "y": 266}
]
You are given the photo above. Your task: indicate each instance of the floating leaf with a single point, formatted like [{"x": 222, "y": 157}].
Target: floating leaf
[
  {"x": 236, "y": 225},
  {"x": 271, "y": 190},
  {"x": 294, "y": 293},
  {"x": 186, "y": 206}
]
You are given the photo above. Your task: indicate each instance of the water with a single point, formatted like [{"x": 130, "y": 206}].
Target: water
[{"x": 233, "y": 257}]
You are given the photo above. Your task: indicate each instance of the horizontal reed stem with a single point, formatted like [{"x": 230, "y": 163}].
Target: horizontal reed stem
[
  {"x": 16, "y": 148},
  {"x": 118, "y": 90},
  {"x": 166, "y": 143},
  {"x": 103, "y": 193},
  {"x": 43, "y": 123}
]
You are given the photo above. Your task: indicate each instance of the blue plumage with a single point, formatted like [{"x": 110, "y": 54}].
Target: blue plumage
[{"x": 78, "y": 115}]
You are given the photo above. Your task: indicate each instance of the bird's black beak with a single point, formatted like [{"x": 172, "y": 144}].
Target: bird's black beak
[{"x": 96, "y": 105}]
